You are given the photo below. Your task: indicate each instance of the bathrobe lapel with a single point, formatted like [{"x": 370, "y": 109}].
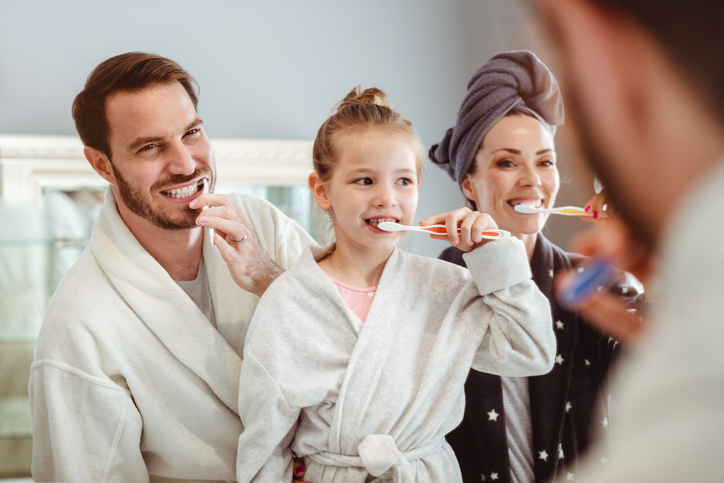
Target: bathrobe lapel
[
  {"x": 165, "y": 308},
  {"x": 369, "y": 358}
]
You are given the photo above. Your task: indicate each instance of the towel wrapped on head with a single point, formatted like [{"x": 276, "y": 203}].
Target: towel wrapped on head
[{"x": 515, "y": 80}]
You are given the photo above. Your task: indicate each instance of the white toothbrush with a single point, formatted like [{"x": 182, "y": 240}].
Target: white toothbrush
[
  {"x": 438, "y": 230},
  {"x": 561, "y": 210},
  {"x": 212, "y": 232}
]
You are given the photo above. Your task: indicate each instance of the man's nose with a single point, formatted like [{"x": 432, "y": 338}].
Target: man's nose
[{"x": 180, "y": 159}]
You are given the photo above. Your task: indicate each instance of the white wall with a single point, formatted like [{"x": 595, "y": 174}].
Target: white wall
[{"x": 267, "y": 69}]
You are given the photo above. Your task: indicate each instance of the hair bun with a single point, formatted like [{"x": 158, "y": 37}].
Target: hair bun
[{"x": 359, "y": 97}]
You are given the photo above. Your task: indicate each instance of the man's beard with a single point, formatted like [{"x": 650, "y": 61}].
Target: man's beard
[
  {"x": 138, "y": 202},
  {"x": 604, "y": 169}
]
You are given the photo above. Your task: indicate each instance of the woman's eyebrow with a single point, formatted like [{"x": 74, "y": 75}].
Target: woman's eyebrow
[{"x": 517, "y": 151}]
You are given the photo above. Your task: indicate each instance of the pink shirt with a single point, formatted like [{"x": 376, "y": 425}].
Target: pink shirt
[{"x": 358, "y": 299}]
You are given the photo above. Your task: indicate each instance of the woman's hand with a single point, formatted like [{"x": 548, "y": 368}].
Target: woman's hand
[
  {"x": 250, "y": 266},
  {"x": 595, "y": 205},
  {"x": 472, "y": 224}
]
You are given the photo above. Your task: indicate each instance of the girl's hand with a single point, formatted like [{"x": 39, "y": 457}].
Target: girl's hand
[
  {"x": 472, "y": 224},
  {"x": 250, "y": 266},
  {"x": 596, "y": 206}
]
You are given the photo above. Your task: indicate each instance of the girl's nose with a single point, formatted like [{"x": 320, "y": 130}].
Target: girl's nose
[{"x": 385, "y": 196}]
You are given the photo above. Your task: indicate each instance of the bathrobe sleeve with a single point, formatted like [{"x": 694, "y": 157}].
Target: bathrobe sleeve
[
  {"x": 520, "y": 339},
  {"x": 105, "y": 431}
]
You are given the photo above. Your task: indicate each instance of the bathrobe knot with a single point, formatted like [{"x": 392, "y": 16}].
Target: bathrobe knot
[
  {"x": 381, "y": 458},
  {"x": 378, "y": 454}
]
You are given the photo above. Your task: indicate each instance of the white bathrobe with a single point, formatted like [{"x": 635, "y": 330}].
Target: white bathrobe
[
  {"x": 131, "y": 382},
  {"x": 378, "y": 397}
]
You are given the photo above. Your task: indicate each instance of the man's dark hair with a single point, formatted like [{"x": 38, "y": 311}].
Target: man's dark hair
[
  {"x": 691, "y": 33},
  {"x": 129, "y": 72}
]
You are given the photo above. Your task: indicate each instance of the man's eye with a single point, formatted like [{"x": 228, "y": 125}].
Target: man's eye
[
  {"x": 148, "y": 147},
  {"x": 193, "y": 131}
]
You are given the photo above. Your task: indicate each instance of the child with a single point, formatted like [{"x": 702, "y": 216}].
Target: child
[{"x": 356, "y": 361}]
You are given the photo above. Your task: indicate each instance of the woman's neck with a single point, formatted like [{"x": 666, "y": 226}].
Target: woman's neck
[
  {"x": 359, "y": 269},
  {"x": 529, "y": 243}
]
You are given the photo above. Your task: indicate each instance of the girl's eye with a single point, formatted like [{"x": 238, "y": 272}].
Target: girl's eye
[
  {"x": 404, "y": 181},
  {"x": 364, "y": 181}
]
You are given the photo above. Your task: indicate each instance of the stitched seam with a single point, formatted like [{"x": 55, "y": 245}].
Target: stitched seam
[{"x": 77, "y": 372}]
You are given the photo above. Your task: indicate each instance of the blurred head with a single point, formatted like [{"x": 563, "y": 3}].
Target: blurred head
[
  {"x": 643, "y": 85},
  {"x": 137, "y": 117},
  {"x": 367, "y": 169},
  {"x": 516, "y": 163}
]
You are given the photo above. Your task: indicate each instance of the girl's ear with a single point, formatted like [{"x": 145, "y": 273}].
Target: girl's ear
[
  {"x": 469, "y": 189},
  {"x": 319, "y": 191}
]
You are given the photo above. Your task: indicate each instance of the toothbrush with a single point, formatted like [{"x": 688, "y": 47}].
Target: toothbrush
[
  {"x": 438, "y": 230},
  {"x": 212, "y": 232},
  {"x": 561, "y": 210}
]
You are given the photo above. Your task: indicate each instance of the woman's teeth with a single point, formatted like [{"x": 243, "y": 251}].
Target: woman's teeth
[
  {"x": 532, "y": 204},
  {"x": 183, "y": 192}
]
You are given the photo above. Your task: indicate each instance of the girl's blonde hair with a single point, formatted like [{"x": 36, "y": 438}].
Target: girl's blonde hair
[{"x": 360, "y": 112}]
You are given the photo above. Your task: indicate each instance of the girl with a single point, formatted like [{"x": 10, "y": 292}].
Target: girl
[{"x": 356, "y": 361}]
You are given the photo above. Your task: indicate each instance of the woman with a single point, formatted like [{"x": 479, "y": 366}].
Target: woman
[{"x": 501, "y": 152}]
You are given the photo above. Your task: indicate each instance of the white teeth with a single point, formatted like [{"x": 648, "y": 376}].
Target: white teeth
[
  {"x": 376, "y": 221},
  {"x": 534, "y": 204},
  {"x": 184, "y": 192}
]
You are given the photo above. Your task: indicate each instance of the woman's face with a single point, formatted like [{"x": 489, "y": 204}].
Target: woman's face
[{"x": 515, "y": 164}]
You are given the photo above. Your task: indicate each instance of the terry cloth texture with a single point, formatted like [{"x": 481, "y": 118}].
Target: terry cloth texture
[
  {"x": 395, "y": 381},
  {"x": 509, "y": 80},
  {"x": 131, "y": 382}
]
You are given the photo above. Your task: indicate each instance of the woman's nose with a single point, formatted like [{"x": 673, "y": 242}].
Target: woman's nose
[{"x": 530, "y": 177}]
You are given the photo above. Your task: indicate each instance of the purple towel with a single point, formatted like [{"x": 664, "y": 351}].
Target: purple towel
[{"x": 509, "y": 80}]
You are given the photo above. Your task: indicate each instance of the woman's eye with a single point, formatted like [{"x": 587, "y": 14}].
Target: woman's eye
[
  {"x": 547, "y": 163},
  {"x": 504, "y": 163}
]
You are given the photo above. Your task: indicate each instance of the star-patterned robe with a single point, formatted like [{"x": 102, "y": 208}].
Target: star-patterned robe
[{"x": 562, "y": 402}]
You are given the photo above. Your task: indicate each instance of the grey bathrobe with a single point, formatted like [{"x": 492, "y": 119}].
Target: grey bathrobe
[{"x": 377, "y": 398}]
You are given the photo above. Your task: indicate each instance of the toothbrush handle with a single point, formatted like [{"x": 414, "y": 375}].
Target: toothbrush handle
[{"x": 441, "y": 230}]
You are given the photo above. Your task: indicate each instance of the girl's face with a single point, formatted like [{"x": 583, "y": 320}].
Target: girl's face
[
  {"x": 375, "y": 179},
  {"x": 515, "y": 164}
]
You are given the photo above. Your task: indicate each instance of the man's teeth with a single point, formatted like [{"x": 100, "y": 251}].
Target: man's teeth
[{"x": 183, "y": 192}]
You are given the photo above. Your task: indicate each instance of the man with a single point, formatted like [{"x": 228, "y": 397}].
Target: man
[
  {"x": 644, "y": 83},
  {"x": 136, "y": 372}
]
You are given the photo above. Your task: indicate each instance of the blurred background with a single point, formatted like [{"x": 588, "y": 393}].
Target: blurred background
[{"x": 268, "y": 70}]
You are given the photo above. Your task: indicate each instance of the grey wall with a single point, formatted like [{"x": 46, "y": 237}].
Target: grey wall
[{"x": 270, "y": 69}]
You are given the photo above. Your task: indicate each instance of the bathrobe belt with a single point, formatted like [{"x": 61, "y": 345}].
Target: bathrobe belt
[{"x": 379, "y": 455}]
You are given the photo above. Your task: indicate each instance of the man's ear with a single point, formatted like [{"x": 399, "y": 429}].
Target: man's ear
[
  {"x": 469, "y": 189},
  {"x": 319, "y": 191},
  {"x": 100, "y": 163}
]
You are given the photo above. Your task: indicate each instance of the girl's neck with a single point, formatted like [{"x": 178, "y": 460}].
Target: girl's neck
[{"x": 357, "y": 269}]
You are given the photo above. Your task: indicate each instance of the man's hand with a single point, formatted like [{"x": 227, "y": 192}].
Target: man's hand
[{"x": 249, "y": 264}]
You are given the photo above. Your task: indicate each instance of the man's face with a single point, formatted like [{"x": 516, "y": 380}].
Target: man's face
[
  {"x": 160, "y": 156},
  {"x": 603, "y": 129}
]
